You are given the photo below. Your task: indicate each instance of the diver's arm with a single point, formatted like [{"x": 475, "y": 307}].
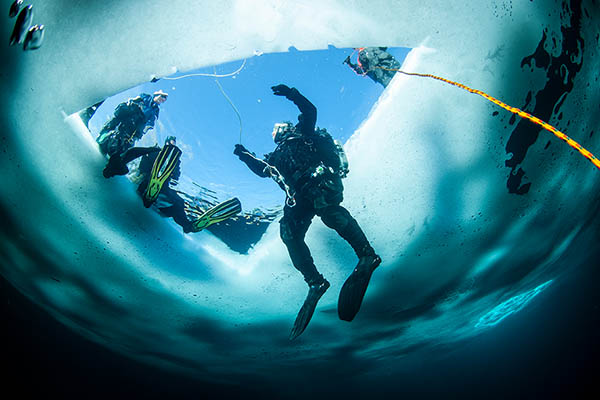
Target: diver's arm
[
  {"x": 308, "y": 111},
  {"x": 304, "y": 105},
  {"x": 150, "y": 120},
  {"x": 147, "y": 126},
  {"x": 110, "y": 125},
  {"x": 117, "y": 163},
  {"x": 148, "y": 113},
  {"x": 256, "y": 165},
  {"x": 354, "y": 67}
]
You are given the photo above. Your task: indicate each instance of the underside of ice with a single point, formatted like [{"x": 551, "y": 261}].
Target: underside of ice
[{"x": 467, "y": 205}]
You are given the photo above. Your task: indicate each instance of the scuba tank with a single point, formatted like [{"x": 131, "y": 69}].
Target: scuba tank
[
  {"x": 339, "y": 150},
  {"x": 343, "y": 171}
]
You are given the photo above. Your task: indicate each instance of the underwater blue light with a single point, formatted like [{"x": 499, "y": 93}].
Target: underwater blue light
[{"x": 510, "y": 306}]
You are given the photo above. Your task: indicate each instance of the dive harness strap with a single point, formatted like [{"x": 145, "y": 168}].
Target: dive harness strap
[{"x": 274, "y": 173}]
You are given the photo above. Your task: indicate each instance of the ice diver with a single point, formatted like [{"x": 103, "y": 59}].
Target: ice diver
[
  {"x": 376, "y": 63},
  {"x": 307, "y": 164},
  {"x": 132, "y": 119},
  {"x": 154, "y": 161}
]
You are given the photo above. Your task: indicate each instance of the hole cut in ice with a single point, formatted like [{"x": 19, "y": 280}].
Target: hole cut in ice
[{"x": 211, "y": 109}]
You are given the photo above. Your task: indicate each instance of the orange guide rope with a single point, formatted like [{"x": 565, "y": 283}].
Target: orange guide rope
[{"x": 513, "y": 110}]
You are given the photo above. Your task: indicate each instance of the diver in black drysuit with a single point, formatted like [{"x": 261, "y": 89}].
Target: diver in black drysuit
[
  {"x": 309, "y": 165},
  {"x": 168, "y": 203}
]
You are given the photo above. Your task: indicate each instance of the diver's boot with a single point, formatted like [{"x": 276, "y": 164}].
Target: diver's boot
[
  {"x": 355, "y": 287},
  {"x": 115, "y": 166},
  {"x": 308, "y": 308}
]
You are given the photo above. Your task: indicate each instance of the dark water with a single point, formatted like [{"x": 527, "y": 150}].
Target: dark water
[{"x": 550, "y": 349}]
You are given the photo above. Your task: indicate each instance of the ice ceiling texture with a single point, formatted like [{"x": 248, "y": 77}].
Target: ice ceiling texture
[{"x": 468, "y": 206}]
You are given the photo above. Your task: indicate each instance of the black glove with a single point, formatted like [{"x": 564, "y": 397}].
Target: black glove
[
  {"x": 347, "y": 60},
  {"x": 281, "y": 90},
  {"x": 239, "y": 150}
]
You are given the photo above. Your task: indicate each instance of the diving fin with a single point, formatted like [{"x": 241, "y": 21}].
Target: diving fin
[
  {"x": 222, "y": 211},
  {"x": 308, "y": 308},
  {"x": 355, "y": 287},
  {"x": 163, "y": 167}
]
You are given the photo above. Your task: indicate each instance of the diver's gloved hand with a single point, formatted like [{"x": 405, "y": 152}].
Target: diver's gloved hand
[
  {"x": 281, "y": 90},
  {"x": 347, "y": 60},
  {"x": 239, "y": 150}
]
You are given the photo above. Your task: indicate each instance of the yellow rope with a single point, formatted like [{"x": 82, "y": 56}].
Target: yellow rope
[{"x": 513, "y": 110}]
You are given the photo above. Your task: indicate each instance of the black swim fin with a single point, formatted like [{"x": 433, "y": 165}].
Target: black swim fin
[
  {"x": 308, "y": 308},
  {"x": 163, "y": 167},
  {"x": 222, "y": 211},
  {"x": 355, "y": 287}
]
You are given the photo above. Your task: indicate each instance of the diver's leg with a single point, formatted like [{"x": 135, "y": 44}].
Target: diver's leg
[
  {"x": 294, "y": 224},
  {"x": 115, "y": 166},
  {"x": 355, "y": 287},
  {"x": 143, "y": 185},
  {"x": 135, "y": 152},
  {"x": 176, "y": 210},
  {"x": 117, "y": 163},
  {"x": 338, "y": 218},
  {"x": 293, "y": 227}
]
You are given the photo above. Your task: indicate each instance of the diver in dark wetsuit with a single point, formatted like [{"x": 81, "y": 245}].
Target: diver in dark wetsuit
[{"x": 307, "y": 165}]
